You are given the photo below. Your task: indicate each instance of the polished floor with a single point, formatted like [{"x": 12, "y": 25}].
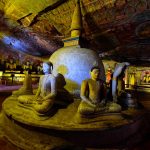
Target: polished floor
[{"x": 144, "y": 98}]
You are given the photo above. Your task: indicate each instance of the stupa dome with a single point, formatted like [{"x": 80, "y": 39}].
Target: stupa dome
[
  {"x": 75, "y": 63},
  {"x": 72, "y": 61}
]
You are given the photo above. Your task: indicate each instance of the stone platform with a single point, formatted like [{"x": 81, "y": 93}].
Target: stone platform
[{"x": 65, "y": 128}]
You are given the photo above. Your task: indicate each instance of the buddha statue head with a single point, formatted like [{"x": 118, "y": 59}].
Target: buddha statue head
[
  {"x": 95, "y": 73},
  {"x": 47, "y": 67}
]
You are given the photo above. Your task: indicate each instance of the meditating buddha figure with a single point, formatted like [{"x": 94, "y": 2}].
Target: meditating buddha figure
[
  {"x": 124, "y": 97},
  {"x": 93, "y": 92},
  {"x": 27, "y": 85},
  {"x": 118, "y": 85},
  {"x": 46, "y": 93}
]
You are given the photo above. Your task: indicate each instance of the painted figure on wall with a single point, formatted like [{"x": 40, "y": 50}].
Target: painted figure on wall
[
  {"x": 132, "y": 80},
  {"x": 146, "y": 77}
]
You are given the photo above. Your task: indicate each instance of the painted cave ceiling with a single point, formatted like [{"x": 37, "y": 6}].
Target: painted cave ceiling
[{"x": 116, "y": 29}]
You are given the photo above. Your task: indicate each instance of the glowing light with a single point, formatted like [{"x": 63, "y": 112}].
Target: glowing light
[{"x": 15, "y": 43}]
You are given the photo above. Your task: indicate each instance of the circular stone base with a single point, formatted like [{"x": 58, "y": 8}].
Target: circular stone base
[
  {"x": 65, "y": 128},
  {"x": 28, "y": 138}
]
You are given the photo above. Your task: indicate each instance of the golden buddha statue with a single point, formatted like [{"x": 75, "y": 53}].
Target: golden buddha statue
[{"x": 93, "y": 93}]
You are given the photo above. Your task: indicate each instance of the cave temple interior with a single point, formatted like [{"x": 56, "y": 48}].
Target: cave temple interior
[{"x": 31, "y": 31}]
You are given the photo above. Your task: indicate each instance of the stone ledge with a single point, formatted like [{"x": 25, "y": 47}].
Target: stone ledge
[{"x": 114, "y": 130}]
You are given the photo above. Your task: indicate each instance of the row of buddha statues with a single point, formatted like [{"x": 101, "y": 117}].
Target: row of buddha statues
[
  {"x": 93, "y": 93},
  {"x": 11, "y": 65}
]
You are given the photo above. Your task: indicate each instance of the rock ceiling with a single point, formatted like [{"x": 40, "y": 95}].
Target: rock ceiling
[{"x": 116, "y": 29}]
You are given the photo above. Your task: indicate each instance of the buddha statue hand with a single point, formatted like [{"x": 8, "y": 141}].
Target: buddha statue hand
[
  {"x": 36, "y": 97},
  {"x": 100, "y": 109},
  {"x": 89, "y": 102},
  {"x": 39, "y": 102},
  {"x": 99, "y": 103},
  {"x": 103, "y": 101}
]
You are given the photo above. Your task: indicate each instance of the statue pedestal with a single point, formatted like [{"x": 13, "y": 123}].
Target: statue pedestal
[{"x": 24, "y": 129}]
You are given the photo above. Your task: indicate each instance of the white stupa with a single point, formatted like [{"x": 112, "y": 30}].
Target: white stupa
[{"x": 74, "y": 62}]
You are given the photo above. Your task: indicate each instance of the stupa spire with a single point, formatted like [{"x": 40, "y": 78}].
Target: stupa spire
[{"x": 76, "y": 25}]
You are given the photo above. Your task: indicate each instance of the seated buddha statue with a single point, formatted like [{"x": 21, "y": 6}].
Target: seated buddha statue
[
  {"x": 125, "y": 98},
  {"x": 27, "y": 85},
  {"x": 118, "y": 85},
  {"x": 93, "y": 92},
  {"x": 11, "y": 65},
  {"x": 44, "y": 99}
]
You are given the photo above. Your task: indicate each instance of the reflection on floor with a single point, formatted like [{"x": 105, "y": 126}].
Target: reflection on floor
[
  {"x": 6, "y": 91},
  {"x": 4, "y": 88}
]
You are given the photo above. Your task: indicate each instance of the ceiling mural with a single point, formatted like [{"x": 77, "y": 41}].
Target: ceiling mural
[{"x": 116, "y": 29}]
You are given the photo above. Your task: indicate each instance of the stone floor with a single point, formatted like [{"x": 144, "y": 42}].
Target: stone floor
[{"x": 6, "y": 145}]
